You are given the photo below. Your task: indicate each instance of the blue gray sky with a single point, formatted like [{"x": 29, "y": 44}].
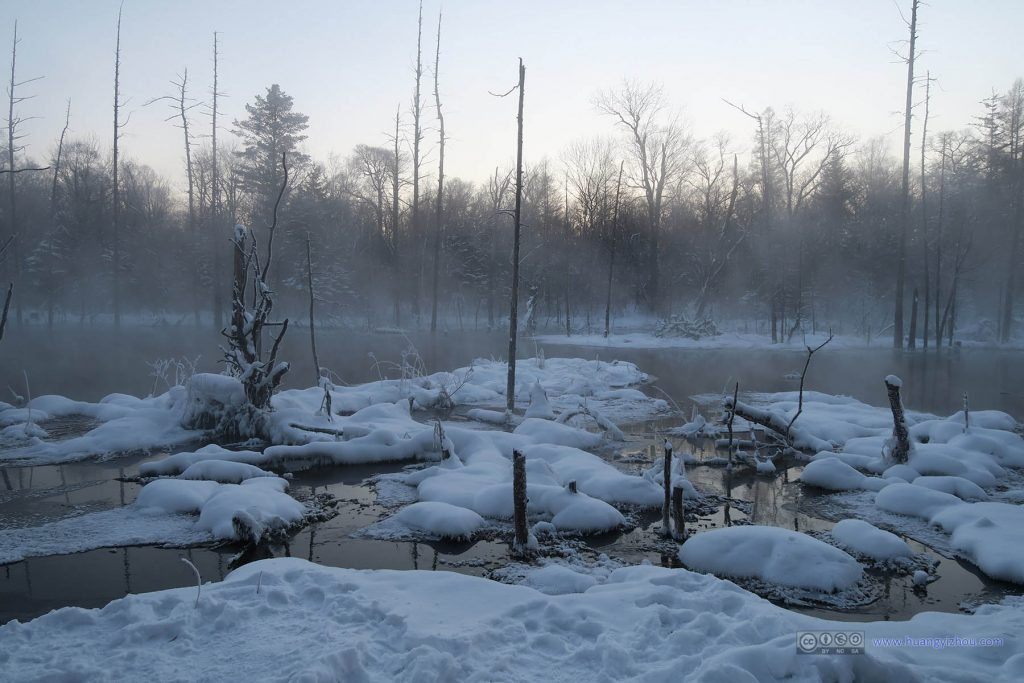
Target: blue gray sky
[{"x": 349, "y": 64}]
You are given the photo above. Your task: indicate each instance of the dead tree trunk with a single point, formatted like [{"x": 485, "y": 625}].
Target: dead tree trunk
[
  {"x": 666, "y": 526},
  {"x": 218, "y": 248},
  {"x": 899, "y": 449},
  {"x": 901, "y": 258},
  {"x": 611, "y": 252},
  {"x": 513, "y": 317},
  {"x": 519, "y": 501},
  {"x": 912, "y": 339},
  {"x": 417, "y": 137},
  {"x": 116, "y": 262},
  {"x": 438, "y": 228},
  {"x": 678, "y": 513},
  {"x": 924, "y": 212},
  {"x": 395, "y": 216},
  {"x": 312, "y": 320},
  {"x": 244, "y": 357}
]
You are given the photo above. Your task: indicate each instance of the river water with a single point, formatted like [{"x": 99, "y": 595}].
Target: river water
[{"x": 87, "y": 365}]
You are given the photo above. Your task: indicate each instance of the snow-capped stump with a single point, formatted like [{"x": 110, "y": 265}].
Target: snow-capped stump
[
  {"x": 921, "y": 578},
  {"x": 251, "y": 511},
  {"x": 539, "y": 406},
  {"x": 440, "y": 519},
  {"x": 776, "y": 556},
  {"x": 835, "y": 475},
  {"x": 866, "y": 539},
  {"x": 248, "y": 511},
  {"x": 217, "y": 403}
]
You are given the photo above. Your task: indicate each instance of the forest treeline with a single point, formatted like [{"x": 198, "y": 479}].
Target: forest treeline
[{"x": 792, "y": 229}]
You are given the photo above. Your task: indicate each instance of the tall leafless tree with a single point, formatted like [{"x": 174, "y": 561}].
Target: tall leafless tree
[
  {"x": 417, "y": 138},
  {"x": 513, "y": 318},
  {"x": 116, "y": 242},
  {"x": 656, "y": 142},
  {"x": 901, "y": 256},
  {"x": 439, "y": 215}
]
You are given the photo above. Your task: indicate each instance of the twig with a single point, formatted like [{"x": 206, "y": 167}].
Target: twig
[
  {"x": 199, "y": 579},
  {"x": 800, "y": 406}
]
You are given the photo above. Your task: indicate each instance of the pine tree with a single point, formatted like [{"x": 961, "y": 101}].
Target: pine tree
[{"x": 271, "y": 129}]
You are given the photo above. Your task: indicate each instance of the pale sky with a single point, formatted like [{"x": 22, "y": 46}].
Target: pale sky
[{"x": 349, "y": 63}]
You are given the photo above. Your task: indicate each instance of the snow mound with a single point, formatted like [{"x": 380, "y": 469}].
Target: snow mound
[
  {"x": 441, "y": 519},
  {"x": 774, "y": 555},
  {"x": 242, "y": 512},
  {"x": 867, "y": 539},
  {"x": 835, "y": 475}
]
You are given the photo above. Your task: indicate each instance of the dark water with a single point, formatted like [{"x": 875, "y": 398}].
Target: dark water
[{"x": 91, "y": 367}]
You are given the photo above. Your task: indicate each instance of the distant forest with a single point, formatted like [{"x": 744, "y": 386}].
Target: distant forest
[{"x": 797, "y": 228}]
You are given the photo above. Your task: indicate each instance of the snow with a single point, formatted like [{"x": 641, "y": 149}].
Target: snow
[
  {"x": 223, "y": 471},
  {"x": 958, "y": 486},
  {"x": 864, "y": 538},
  {"x": 894, "y": 381},
  {"x": 833, "y": 474},
  {"x": 778, "y": 556},
  {"x": 241, "y": 512},
  {"x": 118, "y": 527},
  {"x": 287, "y": 619},
  {"x": 441, "y": 519},
  {"x": 916, "y": 501},
  {"x": 128, "y": 424},
  {"x": 990, "y": 534},
  {"x": 539, "y": 406}
]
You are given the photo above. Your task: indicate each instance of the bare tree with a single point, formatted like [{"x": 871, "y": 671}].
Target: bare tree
[
  {"x": 439, "y": 216},
  {"x": 1013, "y": 124},
  {"x": 612, "y": 238},
  {"x": 656, "y": 143},
  {"x": 417, "y": 138},
  {"x": 218, "y": 305},
  {"x": 901, "y": 256},
  {"x": 116, "y": 263},
  {"x": 13, "y": 137},
  {"x": 513, "y": 318},
  {"x": 182, "y": 104},
  {"x": 924, "y": 211}
]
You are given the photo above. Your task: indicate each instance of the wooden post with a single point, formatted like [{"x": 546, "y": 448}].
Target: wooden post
[
  {"x": 666, "y": 527},
  {"x": 678, "y": 518},
  {"x": 519, "y": 501},
  {"x": 900, "y": 434}
]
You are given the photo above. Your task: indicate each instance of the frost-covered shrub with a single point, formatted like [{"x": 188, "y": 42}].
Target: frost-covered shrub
[{"x": 217, "y": 403}]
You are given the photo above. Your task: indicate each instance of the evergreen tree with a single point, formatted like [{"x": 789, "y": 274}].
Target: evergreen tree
[{"x": 271, "y": 129}]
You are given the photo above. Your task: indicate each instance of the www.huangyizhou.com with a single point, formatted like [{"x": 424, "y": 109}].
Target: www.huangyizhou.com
[{"x": 938, "y": 643}]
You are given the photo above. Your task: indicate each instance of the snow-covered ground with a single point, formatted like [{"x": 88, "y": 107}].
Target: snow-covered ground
[
  {"x": 955, "y": 465},
  {"x": 287, "y": 619}
]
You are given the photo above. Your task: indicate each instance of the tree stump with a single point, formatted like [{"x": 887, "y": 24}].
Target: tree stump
[
  {"x": 900, "y": 450},
  {"x": 678, "y": 518},
  {"x": 519, "y": 500}
]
